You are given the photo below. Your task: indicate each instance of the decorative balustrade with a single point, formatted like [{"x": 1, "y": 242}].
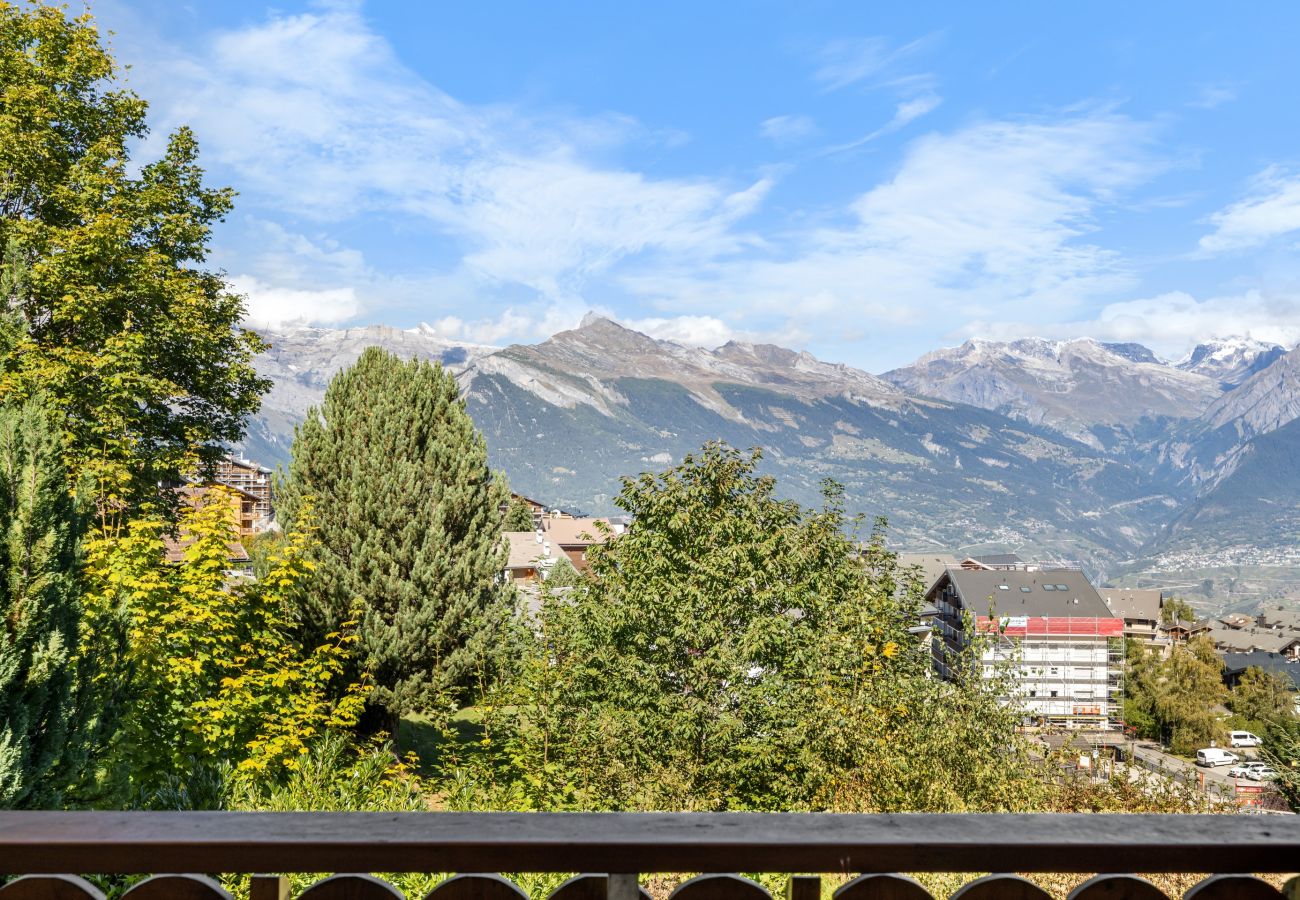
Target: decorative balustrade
[{"x": 865, "y": 849}]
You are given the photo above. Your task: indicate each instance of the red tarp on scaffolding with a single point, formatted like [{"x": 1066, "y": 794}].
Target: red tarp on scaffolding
[{"x": 1042, "y": 626}]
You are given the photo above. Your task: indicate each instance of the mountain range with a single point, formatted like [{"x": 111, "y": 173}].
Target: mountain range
[{"x": 1180, "y": 474}]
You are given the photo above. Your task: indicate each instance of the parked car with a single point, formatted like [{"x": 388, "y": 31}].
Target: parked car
[
  {"x": 1213, "y": 756},
  {"x": 1243, "y": 770},
  {"x": 1262, "y": 773},
  {"x": 1243, "y": 739}
]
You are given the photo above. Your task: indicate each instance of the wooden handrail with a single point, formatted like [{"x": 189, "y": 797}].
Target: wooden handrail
[{"x": 235, "y": 842}]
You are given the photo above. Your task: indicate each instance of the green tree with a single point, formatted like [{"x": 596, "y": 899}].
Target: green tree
[
  {"x": 519, "y": 517},
  {"x": 1282, "y": 749},
  {"x": 734, "y": 650},
  {"x": 1188, "y": 695},
  {"x": 409, "y": 529},
  {"x": 44, "y": 732},
  {"x": 1262, "y": 698},
  {"x": 1176, "y": 609},
  {"x": 137, "y": 345},
  {"x": 218, "y": 675}
]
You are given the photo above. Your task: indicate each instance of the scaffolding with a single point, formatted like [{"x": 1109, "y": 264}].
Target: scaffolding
[{"x": 1067, "y": 671}]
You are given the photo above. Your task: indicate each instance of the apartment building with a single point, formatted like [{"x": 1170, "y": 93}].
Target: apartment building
[
  {"x": 253, "y": 485},
  {"x": 1047, "y": 632},
  {"x": 1140, "y": 610}
]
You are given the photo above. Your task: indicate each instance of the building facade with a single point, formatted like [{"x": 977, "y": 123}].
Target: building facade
[
  {"x": 1047, "y": 634},
  {"x": 253, "y": 485}
]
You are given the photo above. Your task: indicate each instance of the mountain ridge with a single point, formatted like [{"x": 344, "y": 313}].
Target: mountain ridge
[{"x": 566, "y": 417}]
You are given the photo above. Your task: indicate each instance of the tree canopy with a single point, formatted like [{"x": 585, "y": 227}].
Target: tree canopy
[
  {"x": 734, "y": 650},
  {"x": 137, "y": 345},
  {"x": 409, "y": 528}
]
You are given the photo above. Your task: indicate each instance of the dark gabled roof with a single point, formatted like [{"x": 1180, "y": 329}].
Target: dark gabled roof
[
  {"x": 932, "y": 565},
  {"x": 1237, "y": 663},
  {"x": 1133, "y": 603},
  {"x": 1023, "y": 593},
  {"x": 999, "y": 559}
]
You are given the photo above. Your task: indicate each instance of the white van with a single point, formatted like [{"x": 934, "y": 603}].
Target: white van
[
  {"x": 1213, "y": 756},
  {"x": 1243, "y": 739}
]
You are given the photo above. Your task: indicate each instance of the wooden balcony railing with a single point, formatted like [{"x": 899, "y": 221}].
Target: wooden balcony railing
[{"x": 41, "y": 846}]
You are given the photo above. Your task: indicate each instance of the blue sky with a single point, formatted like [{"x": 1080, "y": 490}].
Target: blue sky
[{"x": 865, "y": 181}]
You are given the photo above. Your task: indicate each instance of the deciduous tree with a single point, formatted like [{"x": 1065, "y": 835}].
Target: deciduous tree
[
  {"x": 219, "y": 675},
  {"x": 734, "y": 650},
  {"x": 138, "y": 346}
]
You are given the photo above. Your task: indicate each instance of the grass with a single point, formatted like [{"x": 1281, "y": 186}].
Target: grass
[{"x": 417, "y": 734}]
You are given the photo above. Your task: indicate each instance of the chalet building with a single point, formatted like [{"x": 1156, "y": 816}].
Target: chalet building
[
  {"x": 1236, "y": 664},
  {"x": 929, "y": 565},
  {"x": 997, "y": 562},
  {"x": 1279, "y": 619},
  {"x": 536, "y": 507},
  {"x": 1274, "y": 632},
  {"x": 1050, "y": 631},
  {"x": 530, "y": 556},
  {"x": 1180, "y": 630},
  {"x": 253, "y": 485},
  {"x": 1010, "y": 562},
  {"x": 572, "y": 536},
  {"x": 1140, "y": 610}
]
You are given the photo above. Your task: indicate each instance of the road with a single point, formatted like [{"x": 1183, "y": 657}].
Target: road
[{"x": 1154, "y": 758}]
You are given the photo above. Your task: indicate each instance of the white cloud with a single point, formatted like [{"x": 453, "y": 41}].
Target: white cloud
[
  {"x": 848, "y": 61},
  {"x": 1170, "y": 323},
  {"x": 1212, "y": 95},
  {"x": 270, "y": 306},
  {"x": 787, "y": 129},
  {"x": 316, "y": 119},
  {"x": 697, "y": 331},
  {"x": 906, "y": 112},
  {"x": 1272, "y": 210},
  {"x": 526, "y": 324},
  {"x": 315, "y": 116},
  {"x": 988, "y": 221}
]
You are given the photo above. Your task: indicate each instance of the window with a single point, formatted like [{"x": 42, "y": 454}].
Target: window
[
  {"x": 1062, "y": 587},
  {"x": 1024, "y": 589},
  {"x": 1049, "y": 587},
  {"x": 1004, "y": 587},
  {"x": 1053, "y": 693}
]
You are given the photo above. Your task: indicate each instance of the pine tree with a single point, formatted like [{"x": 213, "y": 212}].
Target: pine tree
[
  {"x": 42, "y": 731},
  {"x": 409, "y": 525},
  {"x": 519, "y": 517}
]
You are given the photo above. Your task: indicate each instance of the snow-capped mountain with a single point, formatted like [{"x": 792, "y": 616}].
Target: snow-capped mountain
[
  {"x": 1075, "y": 449},
  {"x": 1072, "y": 386},
  {"x": 1231, "y": 360}
]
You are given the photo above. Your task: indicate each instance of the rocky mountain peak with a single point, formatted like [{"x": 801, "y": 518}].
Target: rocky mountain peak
[
  {"x": 1134, "y": 352},
  {"x": 1072, "y": 385},
  {"x": 598, "y": 341},
  {"x": 1231, "y": 360},
  {"x": 765, "y": 354},
  {"x": 1264, "y": 402}
]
